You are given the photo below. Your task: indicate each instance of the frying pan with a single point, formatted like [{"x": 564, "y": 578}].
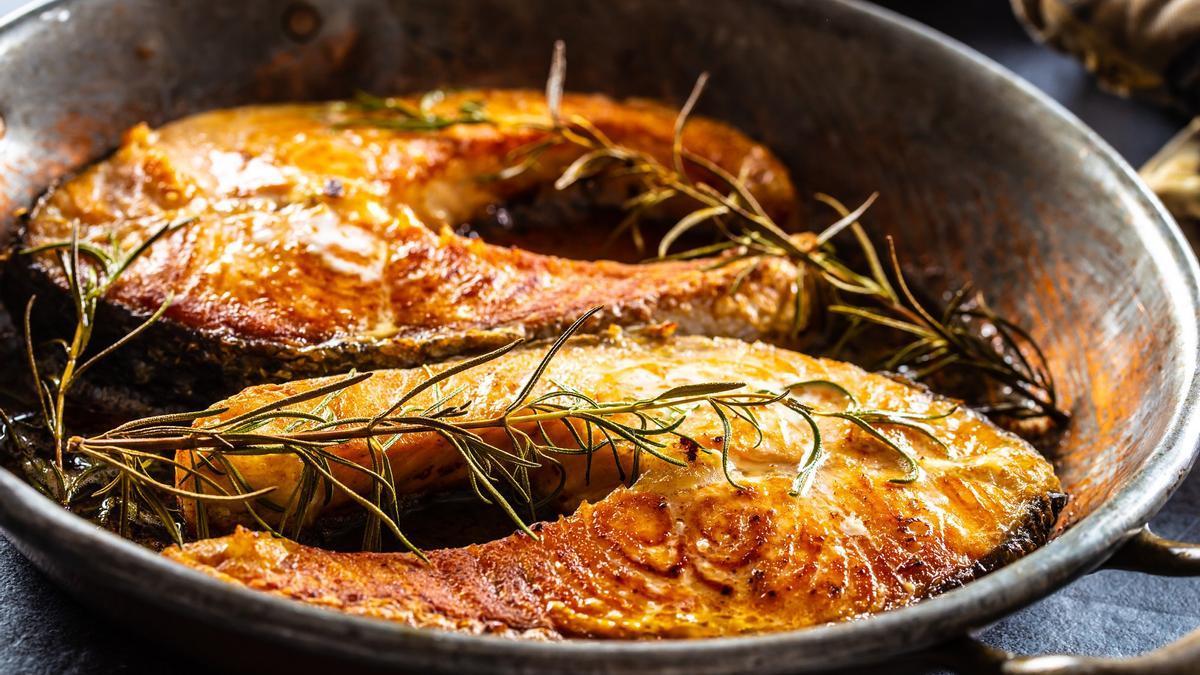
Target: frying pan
[{"x": 981, "y": 177}]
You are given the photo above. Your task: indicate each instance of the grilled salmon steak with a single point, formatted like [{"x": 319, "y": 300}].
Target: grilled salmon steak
[
  {"x": 686, "y": 550},
  {"x": 317, "y": 238}
]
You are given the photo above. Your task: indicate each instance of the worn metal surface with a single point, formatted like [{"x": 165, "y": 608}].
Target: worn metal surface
[{"x": 1005, "y": 191}]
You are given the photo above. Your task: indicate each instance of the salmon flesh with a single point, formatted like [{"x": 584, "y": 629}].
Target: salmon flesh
[
  {"x": 683, "y": 551},
  {"x": 318, "y": 238}
]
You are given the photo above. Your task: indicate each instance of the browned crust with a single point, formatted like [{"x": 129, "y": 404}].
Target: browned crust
[
  {"x": 185, "y": 365},
  {"x": 1032, "y": 533},
  {"x": 681, "y": 553},
  {"x": 613, "y": 570},
  {"x": 293, "y": 305}
]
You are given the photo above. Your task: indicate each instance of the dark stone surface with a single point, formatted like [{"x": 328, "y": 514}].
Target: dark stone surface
[{"x": 1110, "y": 612}]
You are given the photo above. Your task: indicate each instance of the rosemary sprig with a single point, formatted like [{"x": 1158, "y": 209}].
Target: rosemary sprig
[
  {"x": 401, "y": 116},
  {"x": 500, "y": 474},
  {"x": 90, "y": 271},
  {"x": 876, "y": 303},
  {"x": 135, "y": 469},
  {"x": 135, "y": 463}
]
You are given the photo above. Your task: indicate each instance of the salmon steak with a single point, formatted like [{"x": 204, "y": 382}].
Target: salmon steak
[
  {"x": 724, "y": 539},
  {"x": 310, "y": 239}
]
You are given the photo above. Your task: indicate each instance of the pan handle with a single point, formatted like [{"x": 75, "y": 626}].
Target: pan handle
[
  {"x": 1144, "y": 552},
  {"x": 1147, "y": 552}
]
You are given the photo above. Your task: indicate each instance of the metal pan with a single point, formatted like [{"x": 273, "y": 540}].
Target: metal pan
[{"x": 981, "y": 178}]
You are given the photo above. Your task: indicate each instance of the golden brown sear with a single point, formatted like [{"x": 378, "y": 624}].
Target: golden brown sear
[
  {"x": 321, "y": 238},
  {"x": 681, "y": 552},
  {"x": 317, "y": 238}
]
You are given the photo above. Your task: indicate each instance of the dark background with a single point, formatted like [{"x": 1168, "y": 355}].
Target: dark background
[{"x": 1106, "y": 613}]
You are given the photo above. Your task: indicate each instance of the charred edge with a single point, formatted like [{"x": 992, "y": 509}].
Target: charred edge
[
  {"x": 189, "y": 367},
  {"x": 169, "y": 360},
  {"x": 1030, "y": 534}
]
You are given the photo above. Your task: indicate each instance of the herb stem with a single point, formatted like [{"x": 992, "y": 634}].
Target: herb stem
[{"x": 204, "y": 439}]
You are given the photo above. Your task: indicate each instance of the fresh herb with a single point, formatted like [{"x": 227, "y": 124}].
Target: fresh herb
[
  {"x": 90, "y": 271},
  {"x": 498, "y": 473},
  {"x": 399, "y": 115},
  {"x": 876, "y": 303},
  {"x": 135, "y": 465}
]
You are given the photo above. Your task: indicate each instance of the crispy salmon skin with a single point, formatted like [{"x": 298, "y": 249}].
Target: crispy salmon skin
[
  {"x": 683, "y": 551},
  {"x": 318, "y": 238}
]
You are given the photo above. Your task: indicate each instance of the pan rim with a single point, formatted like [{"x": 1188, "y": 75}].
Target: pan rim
[{"x": 1083, "y": 546}]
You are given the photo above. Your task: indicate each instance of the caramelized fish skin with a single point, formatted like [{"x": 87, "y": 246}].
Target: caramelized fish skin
[
  {"x": 316, "y": 247},
  {"x": 682, "y": 552}
]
